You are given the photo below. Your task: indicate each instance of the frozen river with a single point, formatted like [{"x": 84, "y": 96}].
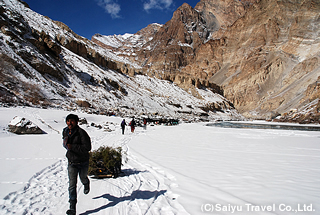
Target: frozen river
[{"x": 252, "y": 125}]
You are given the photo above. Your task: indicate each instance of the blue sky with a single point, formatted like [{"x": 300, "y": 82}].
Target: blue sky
[{"x": 108, "y": 17}]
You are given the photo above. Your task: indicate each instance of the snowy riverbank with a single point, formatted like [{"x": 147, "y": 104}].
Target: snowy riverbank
[{"x": 185, "y": 169}]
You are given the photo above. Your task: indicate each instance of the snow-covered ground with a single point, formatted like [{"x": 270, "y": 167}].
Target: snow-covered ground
[{"x": 185, "y": 169}]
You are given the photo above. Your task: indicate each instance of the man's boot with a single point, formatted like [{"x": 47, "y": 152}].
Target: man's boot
[
  {"x": 72, "y": 209},
  {"x": 86, "y": 188}
]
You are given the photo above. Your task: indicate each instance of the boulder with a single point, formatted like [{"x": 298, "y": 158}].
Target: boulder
[{"x": 20, "y": 125}]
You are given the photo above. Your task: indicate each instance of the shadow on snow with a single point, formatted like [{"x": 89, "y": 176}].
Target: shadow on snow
[
  {"x": 137, "y": 194},
  {"x": 128, "y": 172}
]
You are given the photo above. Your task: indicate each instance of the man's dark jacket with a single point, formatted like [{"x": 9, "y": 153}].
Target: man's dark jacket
[{"x": 81, "y": 145}]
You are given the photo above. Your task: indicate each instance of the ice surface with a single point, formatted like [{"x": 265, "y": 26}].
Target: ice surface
[{"x": 184, "y": 169}]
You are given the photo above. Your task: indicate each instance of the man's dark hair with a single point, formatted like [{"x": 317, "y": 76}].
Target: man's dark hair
[{"x": 72, "y": 116}]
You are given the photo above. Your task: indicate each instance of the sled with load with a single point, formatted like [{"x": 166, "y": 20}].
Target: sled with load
[{"x": 105, "y": 162}]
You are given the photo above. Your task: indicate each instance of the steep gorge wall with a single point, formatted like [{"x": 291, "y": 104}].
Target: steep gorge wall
[
  {"x": 172, "y": 49},
  {"x": 262, "y": 55},
  {"x": 270, "y": 57}
]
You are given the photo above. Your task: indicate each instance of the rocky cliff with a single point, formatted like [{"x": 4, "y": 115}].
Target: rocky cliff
[
  {"x": 267, "y": 60},
  {"x": 271, "y": 58},
  {"x": 43, "y": 63},
  {"x": 263, "y": 55}
]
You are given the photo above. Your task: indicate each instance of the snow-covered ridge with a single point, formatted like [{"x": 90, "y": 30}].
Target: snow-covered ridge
[
  {"x": 127, "y": 44},
  {"x": 117, "y": 41},
  {"x": 45, "y": 24},
  {"x": 73, "y": 79}
]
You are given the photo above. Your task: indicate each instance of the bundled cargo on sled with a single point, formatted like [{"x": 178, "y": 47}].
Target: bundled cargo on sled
[{"x": 105, "y": 162}]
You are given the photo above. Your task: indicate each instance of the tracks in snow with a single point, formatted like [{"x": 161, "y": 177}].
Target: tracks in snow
[
  {"x": 44, "y": 193},
  {"x": 143, "y": 189}
]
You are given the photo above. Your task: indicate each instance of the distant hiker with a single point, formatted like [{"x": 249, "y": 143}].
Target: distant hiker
[
  {"x": 132, "y": 125},
  {"x": 123, "y": 125},
  {"x": 144, "y": 124},
  {"x": 78, "y": 144}
]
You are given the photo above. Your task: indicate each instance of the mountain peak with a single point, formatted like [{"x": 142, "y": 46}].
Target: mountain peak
[{"x": 185, "y": 5}]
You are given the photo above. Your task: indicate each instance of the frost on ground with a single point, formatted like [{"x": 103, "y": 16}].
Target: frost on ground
[{"x": 185, "y": 169}]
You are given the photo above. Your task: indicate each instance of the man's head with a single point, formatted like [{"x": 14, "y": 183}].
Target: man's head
[{"x": 72, "y": 121}]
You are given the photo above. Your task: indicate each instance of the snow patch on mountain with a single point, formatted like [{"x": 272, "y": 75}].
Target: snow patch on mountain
[{"x": 70, "y": 78}]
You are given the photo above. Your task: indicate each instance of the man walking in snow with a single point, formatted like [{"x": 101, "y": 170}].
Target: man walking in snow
[
  {"x": 132, "y": 125},
  {"x": 78, "y": 144},
  {"x": 123, "y": 125}
]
